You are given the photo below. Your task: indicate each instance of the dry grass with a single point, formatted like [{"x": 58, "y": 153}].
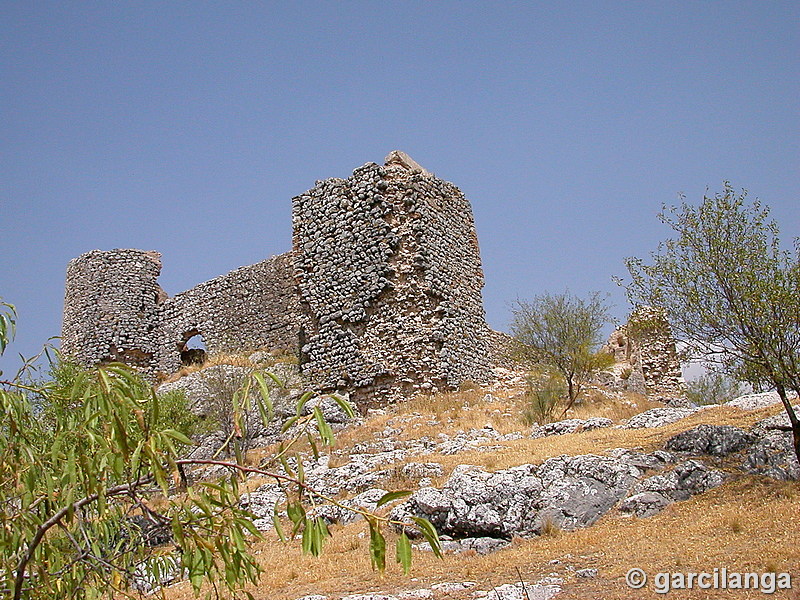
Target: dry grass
[
  {"x": 618, "y": 406},
  {"x": 688, "y": 536},
  {"x": 748, "y": 524},
  {"x": 236, "y": 360}
]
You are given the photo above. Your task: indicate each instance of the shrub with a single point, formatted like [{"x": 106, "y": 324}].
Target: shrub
[
  {"x": 543, "y": 397},
  {"x": 713, "y": 388}
]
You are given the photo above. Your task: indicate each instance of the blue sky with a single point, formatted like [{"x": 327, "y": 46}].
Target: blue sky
[{"x": 187, "y": 127}]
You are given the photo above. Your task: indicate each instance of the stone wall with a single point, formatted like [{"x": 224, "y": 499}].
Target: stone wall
[
  {"x": 380, "y": 295},
  {"x": 249, "y": 308},
  {"x": 646, "y": 358},
  {"x": 114, "y": 310},
  {"x": 390, "y": 279}
]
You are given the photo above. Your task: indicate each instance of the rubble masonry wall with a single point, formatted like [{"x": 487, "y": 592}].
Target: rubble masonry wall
[
  {"x": 390, "y": 280},
  {"x": 380, "y": 296}
]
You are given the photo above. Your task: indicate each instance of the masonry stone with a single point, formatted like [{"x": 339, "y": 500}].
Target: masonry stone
[
  {"x": 646, "y": 359},
  {"x": 380, "y": 295}
]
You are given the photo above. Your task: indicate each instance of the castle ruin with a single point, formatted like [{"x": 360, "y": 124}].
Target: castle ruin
[
  {"x": 380, "y": 294},
  {"x": 645, "y": 357}
]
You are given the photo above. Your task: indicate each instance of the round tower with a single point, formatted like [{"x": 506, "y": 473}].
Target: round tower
[{"x": 111, "y": 308}]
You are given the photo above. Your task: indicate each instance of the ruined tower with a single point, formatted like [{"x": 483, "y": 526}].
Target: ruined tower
[
  {"x": 646, "y": 359},
  {"x": 380, "y": 295},
  {"x": 111, "y": 308},
  {"x": 389, "y": 278}
]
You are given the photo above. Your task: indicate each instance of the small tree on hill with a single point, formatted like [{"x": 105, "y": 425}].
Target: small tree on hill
[
  {"x": 731, "y": 293},
  {"x": 562, "y": 333}
]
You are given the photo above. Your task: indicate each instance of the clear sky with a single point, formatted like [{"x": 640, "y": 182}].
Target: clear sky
[{"x": 186, "y": 127}]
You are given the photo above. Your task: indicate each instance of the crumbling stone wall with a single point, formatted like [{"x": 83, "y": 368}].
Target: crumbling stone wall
[
  {"x": 249, "y": 308},
  {"x": 380, "y": 295},
  {"x": 114, "y": 310},
  {"x": 390, "y": 279},
  {"x": 646, "y": 360},
  {"x": 111, "y": 307}
]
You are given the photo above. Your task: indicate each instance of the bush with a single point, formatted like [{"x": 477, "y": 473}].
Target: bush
[
  {"x": 562, "y": 333},
  {"x": 713, "y": 388},
  {"x": 543, "y": 397}
]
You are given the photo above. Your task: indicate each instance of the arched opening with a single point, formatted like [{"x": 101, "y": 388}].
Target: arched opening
[{"x": 192, "y": 348}]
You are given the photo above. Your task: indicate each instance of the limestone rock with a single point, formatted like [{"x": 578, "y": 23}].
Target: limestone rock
[
  {"x": 756, "y": 401},
  {"x": 658, "y": 417},
  {"x": 773, "y": 455},
  {"x": 644, "y": 504},
  {"x": 717, "y": 440},
  {"x": 569, "y": 426}
]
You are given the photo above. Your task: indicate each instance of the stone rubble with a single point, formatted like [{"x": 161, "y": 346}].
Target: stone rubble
[{"x": 658, "y": 417}]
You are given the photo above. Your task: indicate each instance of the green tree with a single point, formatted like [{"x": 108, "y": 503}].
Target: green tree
[
  {"x": 713, "y": 388},
  {"x": 562, "y": 332},
  {"x": 730, "y": 291},
  {"x": 94, "y": 491}
]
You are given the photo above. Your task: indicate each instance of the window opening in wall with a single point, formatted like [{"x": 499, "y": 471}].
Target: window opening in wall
[{"x": 192, "y": 348}]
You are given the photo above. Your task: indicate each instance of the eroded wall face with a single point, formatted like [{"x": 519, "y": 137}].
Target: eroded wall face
[
  {"x": 654, "y": 352},
  {"x": 644, "y": 349},
  {"x": 389, "y": 281},
  {"x": 112, "y": 308},
  {"x": 253, "y": 307}
]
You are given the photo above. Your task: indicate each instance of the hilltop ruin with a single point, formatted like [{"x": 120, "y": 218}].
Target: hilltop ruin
[{"x": 380, "y": 294}]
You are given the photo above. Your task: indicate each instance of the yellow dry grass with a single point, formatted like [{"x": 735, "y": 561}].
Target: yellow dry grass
[
  {"x": 227, "y": 358},
  {"x": 748, "y": 524}
]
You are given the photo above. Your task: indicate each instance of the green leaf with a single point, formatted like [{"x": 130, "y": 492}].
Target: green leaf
[
  {"x": 276, "y": 521},
  {"x": 429, "y": 533},
  {"x": 288, "y": 423},
  {"x": 403, "y": 552},
  {"x": 312, "y": 442},
  {"x": 308, "y": 536},
  {"x": 266, "y": 416},
  {"x": 275, "y": 378},
  {"x": 286, "y": 467},
  {"x": 390, "y": 496},
  {"x": 301, "y": 402},
  {"x": 297, "y": 514},
  {"x": 377, "y": 546},
  {"x": 325, "y": 431},
  {"x": 314, "y": 535},
  {"x": 178, "y": 436},
  {"x": 344, "y": 405}
]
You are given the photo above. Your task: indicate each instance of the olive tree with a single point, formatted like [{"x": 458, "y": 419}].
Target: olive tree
[
  {"x": 730, "y": 291},
  {"x": 95, "y": 497},
  {"x": 562, "y": 333}
]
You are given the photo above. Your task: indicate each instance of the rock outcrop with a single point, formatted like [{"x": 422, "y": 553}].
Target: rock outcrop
[{"x": 564, "y": 492}]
